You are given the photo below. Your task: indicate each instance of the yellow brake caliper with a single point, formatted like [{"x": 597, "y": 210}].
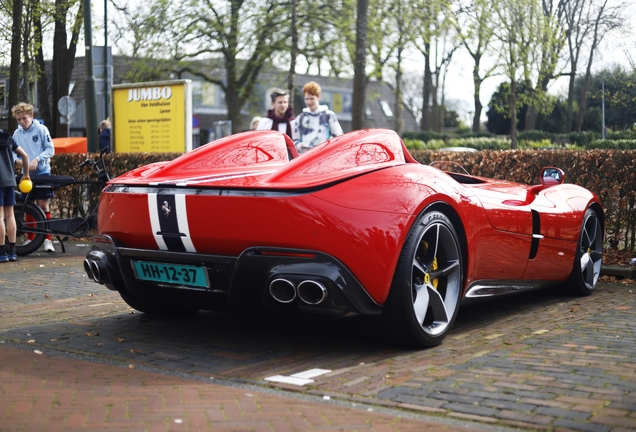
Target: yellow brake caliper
[{"x": 427, "y": 276}]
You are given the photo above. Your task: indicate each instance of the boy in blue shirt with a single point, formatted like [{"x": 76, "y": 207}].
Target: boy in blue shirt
[
  {"x": 35, "y": 139},
  {"x": 7, "y": 194}
]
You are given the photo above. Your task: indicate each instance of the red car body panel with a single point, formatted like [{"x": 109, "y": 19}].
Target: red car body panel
[{"x": 354, "y": 198}]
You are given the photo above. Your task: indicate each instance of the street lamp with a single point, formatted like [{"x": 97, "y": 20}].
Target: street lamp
[{"x": 90, "y": 97}]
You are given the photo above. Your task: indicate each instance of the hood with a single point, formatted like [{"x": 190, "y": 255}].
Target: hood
[
  {"x": 260, "y": 159},
  {"x": 320, "y": 109}
]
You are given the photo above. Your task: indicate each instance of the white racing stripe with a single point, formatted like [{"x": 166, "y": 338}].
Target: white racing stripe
[
  {"x": 182, "y": 220},
  {"x": 154, "y": 221}
]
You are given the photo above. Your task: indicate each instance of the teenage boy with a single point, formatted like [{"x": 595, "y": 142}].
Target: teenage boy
[
  {"x": 35, "y": 139},
  {"x": 281, "y": 116},
  {"x": 7, "y": 195},
  {"x": 317, "y": 123}
]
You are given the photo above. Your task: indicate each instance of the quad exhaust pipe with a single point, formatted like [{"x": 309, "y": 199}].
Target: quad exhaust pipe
[
  {"x": 309, "y": 291},
  {"x": 282, "y": 290},
  {"x": 312, "y": 292},
  {"x": 95, "y": 270}
]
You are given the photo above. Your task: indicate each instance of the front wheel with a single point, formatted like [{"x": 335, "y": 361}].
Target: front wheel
[
  {"x": 424, "y": 298},
  {"x": 33, "y": 217},
  {"x": 589, "y": 256}
]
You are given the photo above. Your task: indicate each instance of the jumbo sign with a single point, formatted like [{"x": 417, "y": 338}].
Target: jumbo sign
[
  {"x": 152, "y": 117},
  {"x": 149, "y": 93}
]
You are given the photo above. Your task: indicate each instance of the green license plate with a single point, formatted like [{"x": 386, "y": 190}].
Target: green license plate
[{"x": 174, "y": 274}]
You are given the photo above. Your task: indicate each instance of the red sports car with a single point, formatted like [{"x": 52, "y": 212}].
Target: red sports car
[{"x": 354, "y": 226}]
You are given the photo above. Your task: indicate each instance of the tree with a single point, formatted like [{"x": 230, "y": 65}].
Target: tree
[
  {"x": 435, "y": 22},
  {"x": 619, "y": 96},
  {"x": 550, "y": 43},
  {"x": 240, "y": 35},
  {"x": 586, "y": 22},
  {"x": 68, "y": 15},
  {"x": 16, "y": 34},
  {"x": 519, "y": 32},
  {"x": 476, "y": 32},
  {"x": 498, "y": 112},
  {"x": 405, "y": 25},
  {"x": 605, "y": 19},
  {"x": 360, "y": 76}
]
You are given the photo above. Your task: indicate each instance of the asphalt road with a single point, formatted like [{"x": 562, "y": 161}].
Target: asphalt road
[{"x": 536, "y": 361}]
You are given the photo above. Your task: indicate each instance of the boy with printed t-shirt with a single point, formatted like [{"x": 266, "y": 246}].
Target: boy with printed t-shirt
[
  {"x": 7, "y": 195},
  {"x": 317, "y": 123},
  {"x": 35, "y": 139}
]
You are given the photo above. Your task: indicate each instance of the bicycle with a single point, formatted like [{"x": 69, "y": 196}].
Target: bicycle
[{"x": 32, "y": 224}]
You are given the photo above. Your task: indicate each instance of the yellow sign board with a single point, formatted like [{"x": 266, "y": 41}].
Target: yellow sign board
[
  {"x": 337, "y": 102},
  {"x": 152, "y": 117}
]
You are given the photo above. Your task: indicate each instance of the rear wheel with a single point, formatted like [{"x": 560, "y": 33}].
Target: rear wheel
[
  {"x": 426, "y": 289},
  {"x": 33, "y": 217},
  {"x": 589, "y": 256}
]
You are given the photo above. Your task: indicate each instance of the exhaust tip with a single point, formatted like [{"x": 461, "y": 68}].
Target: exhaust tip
[
  {"x": 87, "y": 269},
  {"x": 312, "y": 292},
  {"x": 96, "y": 271},
  {"x": 282, "y": 290}
]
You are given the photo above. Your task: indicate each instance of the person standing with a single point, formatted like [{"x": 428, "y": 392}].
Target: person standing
[
  {"x": 254, "y": 123},
  {"x": 281, "y": 116},
  {"x": 104, "y": 136},
  {"x": 7, "y": 195},
  {"x": 35, "y": 139},
  {"x": 317, "y": 123}
]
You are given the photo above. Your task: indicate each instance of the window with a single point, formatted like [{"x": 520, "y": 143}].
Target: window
[
  {"x": 386, "y": 108},
  {"x": 341, "y": 102},
  {"x": 347, "y": 102},
  {"x": 3, "y": 102},
  {"x": 205, "y": 94},
  {"x": 208, "y": 94}
]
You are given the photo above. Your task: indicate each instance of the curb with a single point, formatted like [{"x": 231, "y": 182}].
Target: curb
[{"x": 619, "y": 271}]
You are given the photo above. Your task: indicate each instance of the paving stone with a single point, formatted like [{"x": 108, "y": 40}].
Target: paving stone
[
  {"x": 579, "y": 426},
  {"x": 470, "y": 409},
  {"x": 568, "y": 414}
]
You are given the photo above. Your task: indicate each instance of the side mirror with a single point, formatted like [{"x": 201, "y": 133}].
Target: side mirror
[{"x": 551, "y": 176}]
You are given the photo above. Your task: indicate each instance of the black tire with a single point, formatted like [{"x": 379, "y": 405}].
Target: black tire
[
  {"x": 156, "y": 307},
  {"x": 589, "y": 256},
  {"x": 427, "y": 286},
  {"x": 33, "y": 215}
]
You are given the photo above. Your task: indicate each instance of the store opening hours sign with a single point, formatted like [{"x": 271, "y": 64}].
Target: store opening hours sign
[{"x": 153, "y": 117}]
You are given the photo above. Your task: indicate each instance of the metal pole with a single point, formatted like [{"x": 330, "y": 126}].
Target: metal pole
[
  {"x": 106, "y": 93},
  {"x": 603, "y": 109},
  {"x": 90, "y": 98}
]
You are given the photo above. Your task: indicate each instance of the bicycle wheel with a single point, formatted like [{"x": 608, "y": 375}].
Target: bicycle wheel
[{"x": 26, "y": 242}]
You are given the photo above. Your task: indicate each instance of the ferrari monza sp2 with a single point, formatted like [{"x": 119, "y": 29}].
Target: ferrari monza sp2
[{"x": 355, "y": 226}]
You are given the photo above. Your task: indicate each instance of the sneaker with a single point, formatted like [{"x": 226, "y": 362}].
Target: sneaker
[
  {"x": 4, "y": 258},
  {"x": 13, "y": 256},
  {"x": 48, "y": 246}
]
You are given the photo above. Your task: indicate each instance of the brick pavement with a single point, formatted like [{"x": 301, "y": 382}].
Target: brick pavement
[
  {"x": 535, "y": 361},
  {"x": 44, "y": 392}
]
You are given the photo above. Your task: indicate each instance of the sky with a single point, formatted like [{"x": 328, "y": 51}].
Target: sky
[{"x": 459, "y": 86}]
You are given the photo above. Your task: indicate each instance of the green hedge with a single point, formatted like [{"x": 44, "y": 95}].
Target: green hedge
[
  {"x": 532, "y": 139},
  {"x": 607, "y": 172},
  {"x": 622, "y": 144},
  {"x": 74, "y": 201}
]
